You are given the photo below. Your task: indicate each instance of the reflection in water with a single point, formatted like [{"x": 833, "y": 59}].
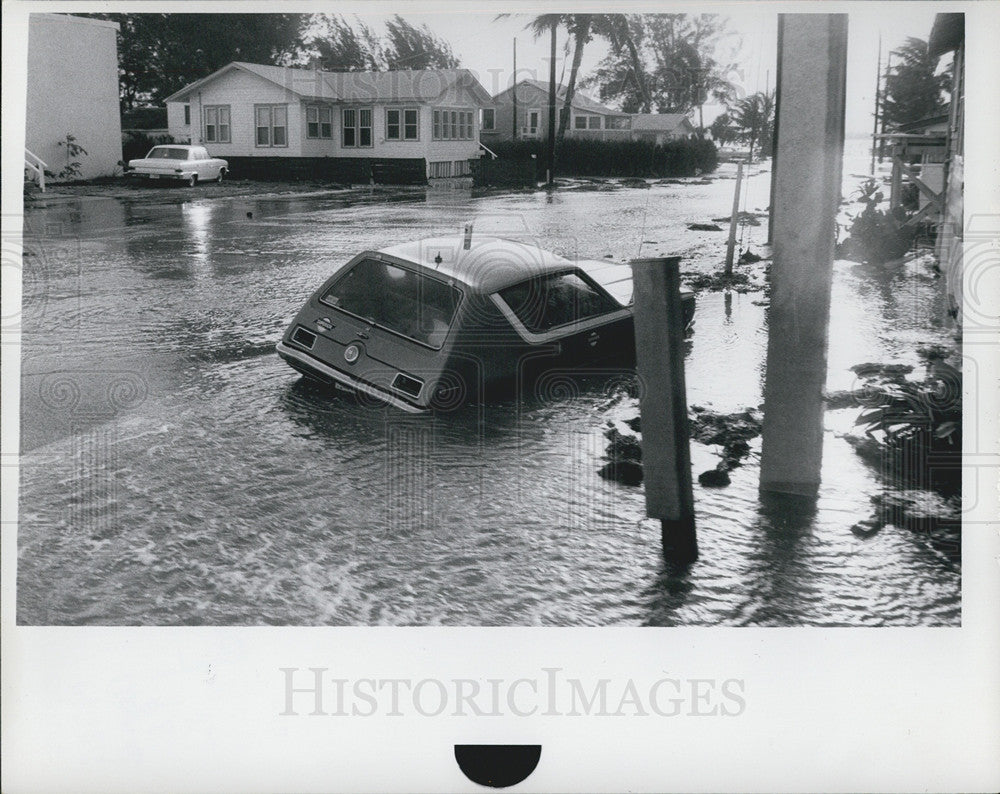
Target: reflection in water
[
  {"x": 234, "y": 493},
  {"x": 197, "y": 220}
]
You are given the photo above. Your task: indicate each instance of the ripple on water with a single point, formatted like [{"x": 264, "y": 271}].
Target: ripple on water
[{"x": 236, "y": 494}]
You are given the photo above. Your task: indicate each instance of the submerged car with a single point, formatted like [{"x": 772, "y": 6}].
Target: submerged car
[
  {"x": 191, "y": 164},
  {"x": 430, "y": 324}
]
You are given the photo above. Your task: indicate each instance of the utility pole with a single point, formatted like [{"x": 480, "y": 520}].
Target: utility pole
[
  {"x": 666, "y": 452},
  {"x": 731, "y": 245},
  {"x": 885, "y": 96},
  {"x": 813, "y": 69},
  {"x": 878, "y": 90},
  {"x": 551, "y": 172},
  {"x": 514, "y": 93}
]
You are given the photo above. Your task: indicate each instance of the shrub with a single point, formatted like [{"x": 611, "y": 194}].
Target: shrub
[
  {"x": 919, "y": 427},
  {"x": 875, "y": 235},
  {"x": 137, "y": 144},
  {"x": 74, "y": 168},
  {"x": 582, "y": 157}
]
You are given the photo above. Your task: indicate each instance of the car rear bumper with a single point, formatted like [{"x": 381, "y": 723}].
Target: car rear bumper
[
  {"x": 149, "y": 175},
  {"x": 308, "y": 365}
]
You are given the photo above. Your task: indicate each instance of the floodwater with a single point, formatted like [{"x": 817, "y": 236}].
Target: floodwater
[{"x": 175, "y": 471}]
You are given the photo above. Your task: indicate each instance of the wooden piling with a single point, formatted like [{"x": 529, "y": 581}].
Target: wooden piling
[
  {"x": 731, "y": 245},
  {"x": 813, "y": 58},
  {"x": 666, "y": 455}
]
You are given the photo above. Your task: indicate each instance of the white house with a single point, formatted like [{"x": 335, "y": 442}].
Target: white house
[
  {"x": 588, "y": 118},
  {"x": 73, "y": 91},
  {"x": 586, "y": 115},
  {"x": 661, "y": 127},
  {"x": 333, "y": 124}
]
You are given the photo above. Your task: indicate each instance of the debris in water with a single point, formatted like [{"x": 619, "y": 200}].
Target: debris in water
[
  {"x": 714, "y": 478},
  {"x": 704, "y": 227}
]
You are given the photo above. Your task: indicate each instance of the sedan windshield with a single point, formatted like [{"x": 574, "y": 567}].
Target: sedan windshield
[
  {"x": 167, "y": 153},
  {"x": 400, "y": 300}
]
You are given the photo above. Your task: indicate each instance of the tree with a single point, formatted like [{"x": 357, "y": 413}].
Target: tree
[
  {"x": 338, "y": 47},
  {"x": 159, "y": 54},
  {"x": 753, "y": 118},
  {"x": 913, "y": 90},
  {"x": 410, "y": 47},
  {"x": 667, "y": 60},
  {"x": 723, "y": 129},
  {"x": 578, "y": 27}
]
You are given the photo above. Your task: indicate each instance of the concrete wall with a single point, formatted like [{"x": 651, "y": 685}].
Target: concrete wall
[{"x": 73, "y": 90}]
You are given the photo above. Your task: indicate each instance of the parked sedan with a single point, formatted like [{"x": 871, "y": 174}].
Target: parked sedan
[
  {"x": 191, "y": 164},
  {"x": 430, "y": 324}
]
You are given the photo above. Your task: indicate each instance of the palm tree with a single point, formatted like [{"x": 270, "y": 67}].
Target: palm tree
[
  {"x": 578, "y": 27},
  {"x": 616, "y": 29},
  {"x": 753, "y": 116}
]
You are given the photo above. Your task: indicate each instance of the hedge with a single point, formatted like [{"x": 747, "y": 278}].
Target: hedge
[{"x": 581, "y": 157}]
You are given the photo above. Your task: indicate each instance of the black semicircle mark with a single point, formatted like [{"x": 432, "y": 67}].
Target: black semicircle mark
[{"x": 497, "y": 765}]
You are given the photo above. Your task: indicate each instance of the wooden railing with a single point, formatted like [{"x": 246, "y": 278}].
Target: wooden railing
[
  {"x": 488, "y": 150},
  {"x": 35, "y": 164}
]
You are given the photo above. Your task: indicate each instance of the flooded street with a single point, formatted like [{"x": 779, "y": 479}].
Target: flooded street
[{"x": 175, "y": 471}]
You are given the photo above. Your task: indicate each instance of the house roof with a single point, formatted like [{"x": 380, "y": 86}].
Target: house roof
[
  {"x": 921, "y": 125},
  {"x": 580, "y": 100},
  {"x": 396, "y": 86},
  {"x": 947, "y": 34},
  {"x": 660, "y": 122}
]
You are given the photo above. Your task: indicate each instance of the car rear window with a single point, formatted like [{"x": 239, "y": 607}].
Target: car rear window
[
  {"x": 548, "y": 302},
  {"x": 168, "y": 153},
  {"x": 398, "y": 299}
]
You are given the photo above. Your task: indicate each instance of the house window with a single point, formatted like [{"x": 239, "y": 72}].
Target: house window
[
  {"x": 453, "y": 125},
  {"x": 271, "y": 125},
  {"x": 402, "y": 124},
  {"x": 411, "y": 124},
  {"x": 533, "y": 122},
  {"x": 357, "y": 127},
  {"x": 319, "y": 122},
  {"x": 488, "y": 119},
  {"x": 586, "y": 122},
  {"x": 187, "y": 115},
  {"x": 216, "y": 123}
]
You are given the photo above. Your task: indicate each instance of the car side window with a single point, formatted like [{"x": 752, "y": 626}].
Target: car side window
[{"x": 542, "y": 304}]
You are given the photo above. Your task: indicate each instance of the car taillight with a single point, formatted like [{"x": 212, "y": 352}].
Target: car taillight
[{"x": 407, "y": 384}]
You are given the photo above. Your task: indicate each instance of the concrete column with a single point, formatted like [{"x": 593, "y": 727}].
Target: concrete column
[
  {"x": 666, "y": 455},
  {"x": 812, "y": 63}
]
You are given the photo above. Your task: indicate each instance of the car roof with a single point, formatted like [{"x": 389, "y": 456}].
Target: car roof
[{"x": 488, "y": 265}]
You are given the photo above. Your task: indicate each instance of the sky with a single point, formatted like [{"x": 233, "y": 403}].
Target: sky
[{"x": 484, "y": 43}]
